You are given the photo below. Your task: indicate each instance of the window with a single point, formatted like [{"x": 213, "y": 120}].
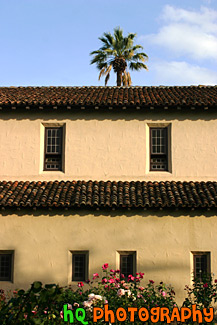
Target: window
[
  {"x": 79, "y": 266},
  {"x": 201, "y": 264},
  {"x": 127, "y": 263},
  {"x": 158, "y": 149},
  {"x": 6, "y": 264},
  {"x": 53, "y": 148}
]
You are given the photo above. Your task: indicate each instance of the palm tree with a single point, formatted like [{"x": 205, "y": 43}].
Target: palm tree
[{"x": 117, "y": 52}]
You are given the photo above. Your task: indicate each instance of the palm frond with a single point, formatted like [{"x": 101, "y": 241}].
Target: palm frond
[
  {"x": 131, "y": 35},
  {"x": 105, "y": 72},
  {"x": 126, "y": 79},
  {"x": 118, "y": 34},
  {"x": 128, "y": 54},
  {"x": 107, "y": 78},
  {"x": 139, "y": 57},
  {"x": 137, "y": 66},
  {"x": 102, "y": 72},
  {"x": 105, "y": 41},
  {"x": 128, "y": 41},
  {"x": 137, "y": 47},
  {"x": 110, "y": 38},
  {"x": 101, "y": 65},
  {"x": 129, "y": 79}
]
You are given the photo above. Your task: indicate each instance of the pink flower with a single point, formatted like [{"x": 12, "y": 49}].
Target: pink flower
[
  {"x": 104, "y": 280},
  {"x": 111, "y": 280},
  {"x": 106, "y": 301},
  {"x": 105, "y": 266},
  {"x": 122, "y": 276},
  {"x": 163, "y": 293},
  {"x": 131, "y": 278},
  {"x": 95, "y": 276},
  {"x": 113, "y": 271},
  {"x": 25, "y": 316},
  {"x": 117, "y": 271},
  {"x": 151, "y": 281},
  {"x": 34, "y": 312}
]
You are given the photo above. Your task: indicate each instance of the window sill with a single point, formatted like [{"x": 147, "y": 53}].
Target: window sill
[
  {"x": 48, "y": 172},
  {"x": 166, "y": 172}
]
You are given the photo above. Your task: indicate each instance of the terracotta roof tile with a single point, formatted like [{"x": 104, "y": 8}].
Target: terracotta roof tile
[
  {"x": 94, "y": 194},
  {"x": 105, "y": 97}
]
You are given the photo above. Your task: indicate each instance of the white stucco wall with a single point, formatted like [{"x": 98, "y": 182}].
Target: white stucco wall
[
  {"x": 102, "y": 146},
  {"x": 163, "y": 243}
]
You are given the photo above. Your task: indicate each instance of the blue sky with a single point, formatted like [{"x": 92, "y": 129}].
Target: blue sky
[{"x": 47, "y": 42}]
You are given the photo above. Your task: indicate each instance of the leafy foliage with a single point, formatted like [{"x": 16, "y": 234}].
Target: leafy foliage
[
  {"x": 203, "y": 293},
  {"x": 44, "y": 304}
]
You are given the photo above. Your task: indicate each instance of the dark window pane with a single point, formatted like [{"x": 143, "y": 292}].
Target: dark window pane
[
  {"x": 201, "y": 265},
  {"x": 53, "y": 149},
  {"x": 5, "y": 267},
  {"x": 78, "y": 267},
  {"x": 126, "y": 265},
  {"x": 158, "y": 142}
]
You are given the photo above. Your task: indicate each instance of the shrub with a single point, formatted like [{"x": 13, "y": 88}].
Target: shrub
[
  {"x": 44, "y": 304},
  {"x": 203, "y": 293}
]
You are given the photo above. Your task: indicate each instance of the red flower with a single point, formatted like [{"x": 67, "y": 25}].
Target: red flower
[
  {"x": 205, "y": 285},
  {"x": 80, "y": 284},
  {"x": 215, "y": 280},
  {"x": 151, "y": 281}
]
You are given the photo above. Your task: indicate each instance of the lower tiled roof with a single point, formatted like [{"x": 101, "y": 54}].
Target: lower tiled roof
[{"x": 107, "y": 194}]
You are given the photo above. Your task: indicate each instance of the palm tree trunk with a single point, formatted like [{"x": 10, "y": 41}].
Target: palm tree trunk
[{"x": 119, "y": 78}]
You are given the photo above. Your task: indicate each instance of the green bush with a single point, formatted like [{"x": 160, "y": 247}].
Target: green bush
[{"x": 44, "y": 304}]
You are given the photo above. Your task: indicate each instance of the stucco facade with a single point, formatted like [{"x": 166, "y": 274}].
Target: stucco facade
[
  {"x": 163, "y": 242},
  {"x": 103, "y": 146}
]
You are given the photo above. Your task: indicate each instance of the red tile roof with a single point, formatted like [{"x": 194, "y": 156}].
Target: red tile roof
[
  {"x": 94, "y": 194},
  {"x": 108, "y": 97}
]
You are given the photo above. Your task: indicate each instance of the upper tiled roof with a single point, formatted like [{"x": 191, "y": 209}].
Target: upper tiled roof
[
  {"x": 102, "y": 195},
  {"x": 108, "y": 97}
]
